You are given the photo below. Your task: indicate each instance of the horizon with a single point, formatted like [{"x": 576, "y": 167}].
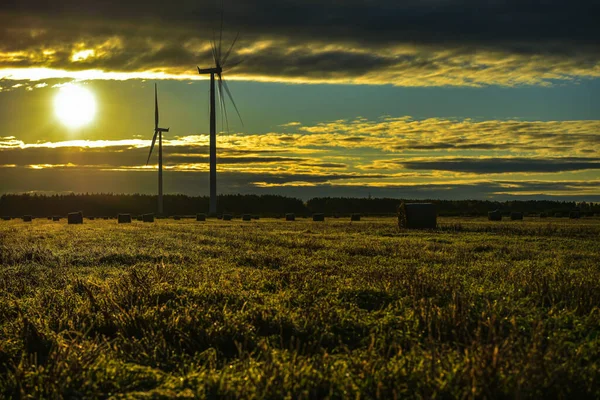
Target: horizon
[{"x": 508, "y": 199}]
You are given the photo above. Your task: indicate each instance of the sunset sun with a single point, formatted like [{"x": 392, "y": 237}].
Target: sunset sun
[{"x": 74, "y": 106}]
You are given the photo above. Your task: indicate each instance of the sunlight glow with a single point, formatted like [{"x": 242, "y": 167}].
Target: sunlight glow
[
  {"x": 75, "y": 106},
  {"x": 82, "y": 55}
]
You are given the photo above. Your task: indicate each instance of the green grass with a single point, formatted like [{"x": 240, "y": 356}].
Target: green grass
[{"x": 273, "y": 309}]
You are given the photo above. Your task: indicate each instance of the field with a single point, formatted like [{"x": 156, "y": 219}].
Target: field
[{"x": 275, "y": 309}]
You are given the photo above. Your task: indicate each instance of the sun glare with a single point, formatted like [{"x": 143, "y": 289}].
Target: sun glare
[{"x": 75, "y": 106}]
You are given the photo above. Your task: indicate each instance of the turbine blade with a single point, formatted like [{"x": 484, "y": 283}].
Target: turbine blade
[
  {"x": 224, "y": 60},
  {"x": 219, "y": 95},
  {"x": 232, "y": 66},
  {"x": 215, "y": 48},
  {"x": 155, "y": 108},
  {"x": 152, "y": 146},
  {"x": 232, "y": 101},
  {"x": 222, "y": 98},
  {"x": 221, "y": 33}
]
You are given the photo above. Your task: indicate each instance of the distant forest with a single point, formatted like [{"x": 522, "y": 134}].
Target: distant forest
[{"x": 264, "y": 205}]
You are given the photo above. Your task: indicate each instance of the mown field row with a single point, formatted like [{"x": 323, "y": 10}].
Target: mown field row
[{"x": 271, "y": 309}]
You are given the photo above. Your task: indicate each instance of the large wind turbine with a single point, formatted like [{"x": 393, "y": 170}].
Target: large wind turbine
[
  {"x": 158, "y": 132},
  {"x": 220, "y": 60}
]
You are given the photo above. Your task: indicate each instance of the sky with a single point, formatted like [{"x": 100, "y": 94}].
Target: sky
[{"x": 449, "y": 99}]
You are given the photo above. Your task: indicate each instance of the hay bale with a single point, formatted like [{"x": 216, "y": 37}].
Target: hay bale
[
  {"x": 417, "y": 216},
  {"x": 246, "y": 217},
  {"x": 56, "y": 218},
  {"x": 124, "y": 218},
  {"x": 495, "y": 215},
  {"x": 319, "y": 217},
  {"x": 543, "y": 215},
  {"x": 200, "y": 217},
  {"x": 148, "y": 218},
  {"x": 75, "y": 218},
  {"x": 49, "y": 218},
  {"x": 516, "y": 216},
  {"x": 227, "y": 217},
  {"x": 27, "y": 218},
  {"x": 290, "y": 217},
  {"x": 575, "y": 214},
  {"x": 354, "y": 217}
]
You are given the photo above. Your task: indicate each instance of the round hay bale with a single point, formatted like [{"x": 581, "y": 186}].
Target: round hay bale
[
  {"x": 319, "y": 217},
  {"x": 290, "y": 217},
  {"x": 124, "y": 218},
  {"x": 75, "y": 218},
  {"x": 200, "y": 217},
  {"x": 227, "y": 217},
  {"x": 516, "y": 216},
  {"x": 495, "y": 215},
  {"x": 354, "y": 217},
  {"x": 246, "y": 217},
  {"x": 148, "y": 218},
  {"x": 417, "y": 216},
  {"x": 575, "y": 214},
  {"x": 27, "y": 218}
]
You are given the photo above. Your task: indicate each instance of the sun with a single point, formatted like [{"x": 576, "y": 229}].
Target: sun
[{"x": 74, "y": 106}]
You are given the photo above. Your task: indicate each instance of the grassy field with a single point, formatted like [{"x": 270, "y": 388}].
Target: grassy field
[{"x": 274, "y": 309}]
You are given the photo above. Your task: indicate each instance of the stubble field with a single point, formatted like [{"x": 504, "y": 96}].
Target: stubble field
[{"x": 275, "y": 309}]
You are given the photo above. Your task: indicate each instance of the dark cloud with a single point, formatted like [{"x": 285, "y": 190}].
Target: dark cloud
[
  {"x": 482, "y": 146},
  {"x": 325, "y": 165},
  {"x": 504, "y": 165},
  {"x": 232, "y": 160},
  {"x": 508, "y": 23},
  {"x": 127, "y": 156},
  {"x": 318, "y": 40},
  {"x": 14, "y": 180}
]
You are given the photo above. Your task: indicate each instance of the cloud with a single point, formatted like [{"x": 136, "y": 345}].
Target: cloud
[
  {"x": 389, "y": 143},
  {"x": 95, "y": 181},
  {"x": 408, "y": 43},
  {"x": 504, "y": 165},
  {"x": 429, "y": 157}
]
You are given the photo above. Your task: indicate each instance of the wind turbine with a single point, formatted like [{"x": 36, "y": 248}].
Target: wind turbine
[
  {"x": 220, "y": 60},
  {"x": 158, "y": 132}
]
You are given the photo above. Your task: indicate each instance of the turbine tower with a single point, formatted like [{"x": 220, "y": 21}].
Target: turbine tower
[
  {"x": 220, "y": 60},
  {"x": 158, "y": 132}
]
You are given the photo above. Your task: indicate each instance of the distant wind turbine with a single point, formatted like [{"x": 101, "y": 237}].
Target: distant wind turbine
[
  {"x": 220, "y": 60},
  {"x": 158, "y": 132}
]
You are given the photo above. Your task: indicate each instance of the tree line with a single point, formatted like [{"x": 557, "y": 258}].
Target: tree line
[{"x": 265, "y": 205}]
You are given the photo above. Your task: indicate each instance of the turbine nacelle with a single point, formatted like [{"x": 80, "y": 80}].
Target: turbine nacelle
[{"x": 214, "y": 70}]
